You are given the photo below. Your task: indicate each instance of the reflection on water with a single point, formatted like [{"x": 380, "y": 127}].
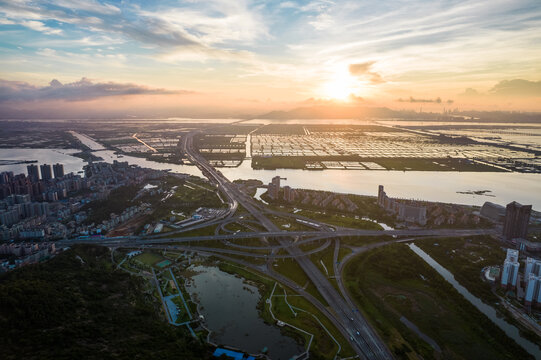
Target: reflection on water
[
  {"x": 75, "y": 164},
  {"x": 447, "y": 186},
  {"x": 489, "y": 311},
  {"x": 422, "y": 185},
  {"x": 109, "y": 156},
  {"x": 229, "y": 306},
  {"x": 258, "y": 193},
  {"x": 43, "y": 156}
]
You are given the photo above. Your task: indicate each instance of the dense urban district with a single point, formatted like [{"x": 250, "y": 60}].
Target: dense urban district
[{"x": 128, "y": 259}]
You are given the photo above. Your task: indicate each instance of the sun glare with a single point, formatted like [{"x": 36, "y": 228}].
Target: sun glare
[{"x": 339, "y": 87}]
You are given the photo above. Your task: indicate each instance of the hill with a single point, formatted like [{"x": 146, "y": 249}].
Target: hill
[{"x": 76, "y": 306}]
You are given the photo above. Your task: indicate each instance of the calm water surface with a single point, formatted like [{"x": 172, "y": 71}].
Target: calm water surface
[
  {"x": 423, "y": 185},
  {"x": 445, "y": 186},
  {"x": 229, "y": 306}
]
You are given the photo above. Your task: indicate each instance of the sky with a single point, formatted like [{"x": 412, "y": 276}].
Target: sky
[{"x": 225, "y": 57}]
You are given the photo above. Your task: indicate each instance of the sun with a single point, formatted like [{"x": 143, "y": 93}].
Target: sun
[{"x": 339, "y": 87}]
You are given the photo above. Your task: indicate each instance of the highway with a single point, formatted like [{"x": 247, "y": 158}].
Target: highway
[
  {"x": 311, "y": 235},
  {"x": 352, "y": 324},
  {"x": 341, "y": 310}
]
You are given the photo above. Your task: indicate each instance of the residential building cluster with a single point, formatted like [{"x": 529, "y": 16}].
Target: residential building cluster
[
  {"x": 406, "y": 210},
  {"x": 24, "y": 253},
  {"x": 527, "y": 286},
  {"x": 273, "y": 188},
  {"x": 113, "y": 221},
  {"x": 321, "y": 199},
  {"x": 327, "y": 200},
  {"x": 439, "y": 214},
  {"x": 427, "y": 213},
  {"x": 47, "y": 204},
  {"x": 44, "y": 188}
]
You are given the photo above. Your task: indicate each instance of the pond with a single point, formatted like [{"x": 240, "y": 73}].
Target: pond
[{"x": 229, "y": 305}]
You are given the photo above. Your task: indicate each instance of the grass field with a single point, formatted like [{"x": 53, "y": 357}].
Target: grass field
[
  {"x": 402, "y": 164},
  {"x": 392, "y": 281},
  {"x": 342, "y": 220},
  {"x": 149, "y": 258},
  {"x": 325, "y": 256},
  {"x": 465, "y": 258}
]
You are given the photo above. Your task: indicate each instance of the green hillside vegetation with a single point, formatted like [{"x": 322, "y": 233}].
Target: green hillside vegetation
[{"x": 77, "y": 307}]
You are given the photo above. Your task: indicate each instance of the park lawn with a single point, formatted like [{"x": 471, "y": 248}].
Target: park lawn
[
  {"x": 391, "y": 281},
  {"x": 149, "y": 258},
  {"x": 292, "y": 270},
  {"x": 289, "y": 268},
  {"x": 343, "y": 252},
  {"x": 289, "y": 224},
  {"x": 342, "y": 220},
  {"x": 326, "y": 256}
]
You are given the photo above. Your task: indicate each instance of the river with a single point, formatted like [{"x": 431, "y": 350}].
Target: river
[
  {"x": 489, "y": 311},
  {"x": 444, "y": 186}
]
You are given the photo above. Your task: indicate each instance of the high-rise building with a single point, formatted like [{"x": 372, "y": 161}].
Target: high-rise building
[
  {"x": 46, "y": 172},
  {"x": 289, "y": 194},
  {"x": 517, "y": 217},
  {"x": 533, "y": 266},
  {"x": 533, "y": 290},
  {"x": 33, "y": 173},
  {"x": 58, "y": 170},
  {"x": 510, "y": 270},
  {"x": 381, "y": 196},
  {"x": 274, "y": 187},
  {"x": 5, "y": 177},
  {"x": 408, "y": 211}
]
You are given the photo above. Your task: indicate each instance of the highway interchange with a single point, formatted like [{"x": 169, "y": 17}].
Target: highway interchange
[{"x": 341, "y": 309}]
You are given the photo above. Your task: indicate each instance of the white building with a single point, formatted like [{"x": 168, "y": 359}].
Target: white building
[{"x": 510, "y": 269}]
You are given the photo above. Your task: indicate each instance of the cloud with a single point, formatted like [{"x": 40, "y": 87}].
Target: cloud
[
  {"x": 41, "y": 27},
  {"x": 508, "y": 88},
  {"x": 360, "y": 69},
  {"x": 470, "y": 92},
  {"x": 194, "y": 27},
  {"x": 81, "y": 90},
  {"x": 516, "y": 87},
  {"x": 363, "y": 70}
]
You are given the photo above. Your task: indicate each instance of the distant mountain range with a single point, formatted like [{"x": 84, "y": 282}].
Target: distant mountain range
[
  {"x": 363, "y": 112},
  {"x": 335, "y": 112},
  {"x": 318, "y": 111}
]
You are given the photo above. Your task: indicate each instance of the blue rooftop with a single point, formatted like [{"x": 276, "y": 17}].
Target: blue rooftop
[{"x": 232, "y": 354}]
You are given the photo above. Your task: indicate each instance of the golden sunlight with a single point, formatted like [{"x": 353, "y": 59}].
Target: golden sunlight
[{"x": 340, "y": 87}]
